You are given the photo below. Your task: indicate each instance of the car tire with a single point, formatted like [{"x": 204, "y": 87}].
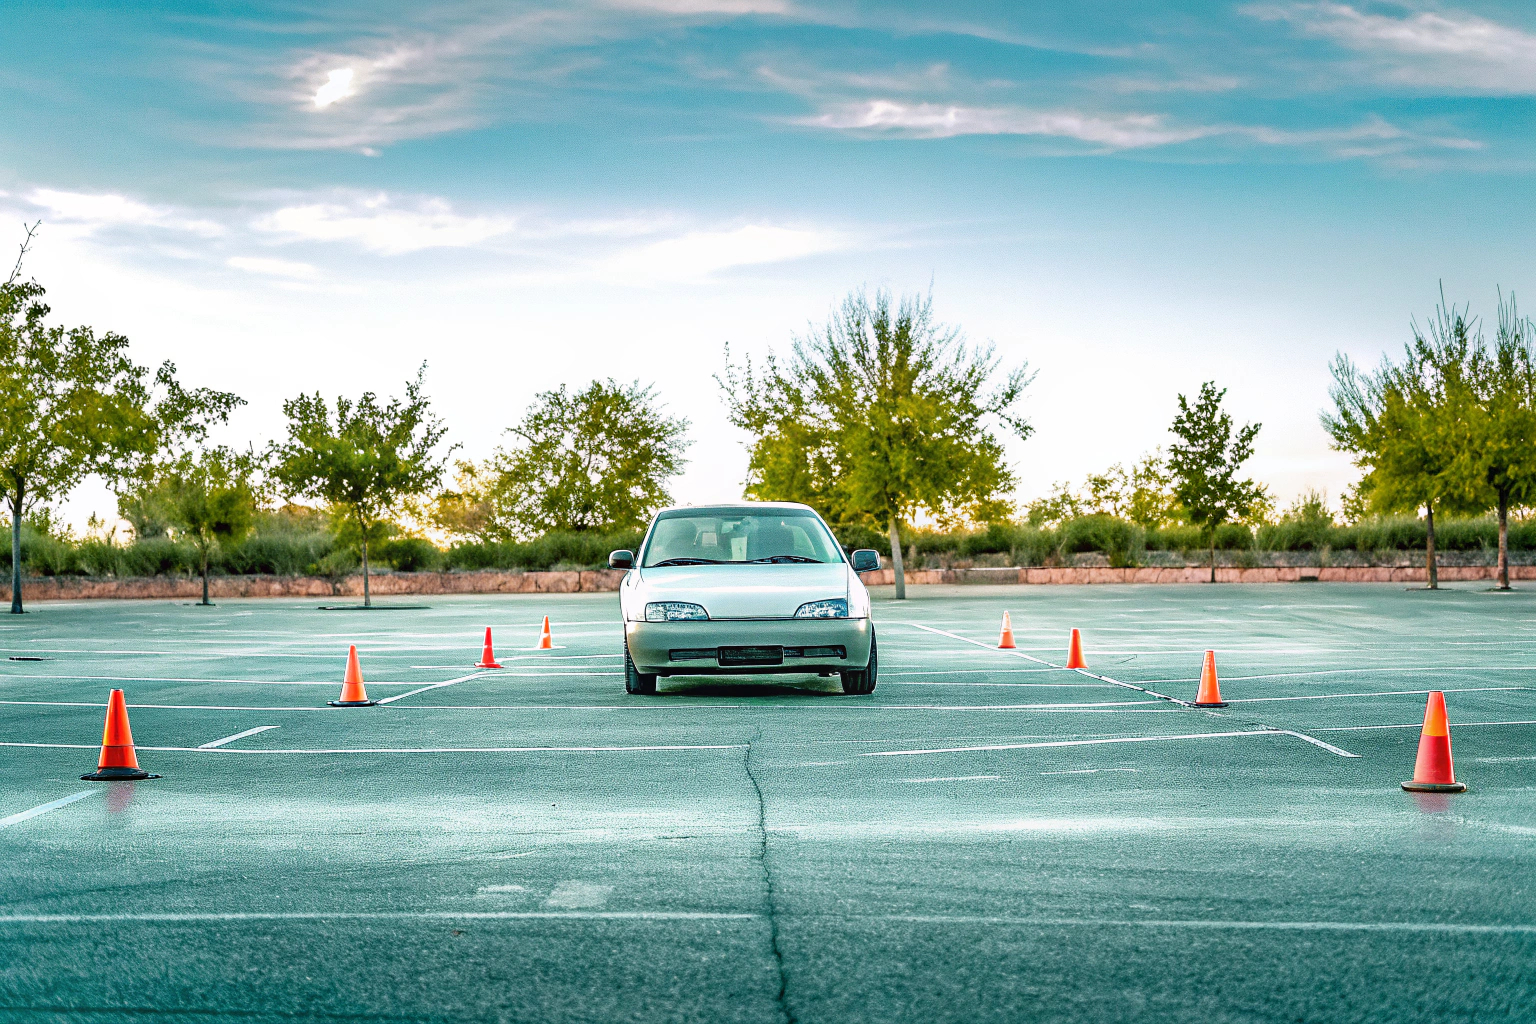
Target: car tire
[
  {"x": 636, "y": 681},
  {"x": 863, "y": 680}
]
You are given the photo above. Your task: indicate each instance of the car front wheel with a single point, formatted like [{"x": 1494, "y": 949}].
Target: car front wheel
[
  {"x": 863, "y": 680},
  {"x": 634, "y": 680}
]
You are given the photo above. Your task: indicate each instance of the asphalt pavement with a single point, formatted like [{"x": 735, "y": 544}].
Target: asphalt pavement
[{"x": 987, "y": 837}]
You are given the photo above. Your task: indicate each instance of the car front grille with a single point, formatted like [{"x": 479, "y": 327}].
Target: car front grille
[{"x": 738, "y": 656}]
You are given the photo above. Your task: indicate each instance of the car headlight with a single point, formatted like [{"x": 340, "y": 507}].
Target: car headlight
[
  {"x": 674, "y": 611},
  {"x": 836, "y": 608}
]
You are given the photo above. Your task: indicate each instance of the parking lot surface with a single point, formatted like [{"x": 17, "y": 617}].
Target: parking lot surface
[{"x": 987, "y": 837}]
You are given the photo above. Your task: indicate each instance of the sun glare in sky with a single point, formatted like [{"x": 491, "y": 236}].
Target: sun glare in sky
[{"x": 338, "y": 86}]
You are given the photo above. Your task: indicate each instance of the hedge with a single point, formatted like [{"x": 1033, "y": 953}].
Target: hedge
[{"x": 287, "y": 545}]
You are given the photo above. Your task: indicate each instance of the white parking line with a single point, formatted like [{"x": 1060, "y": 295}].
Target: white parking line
[
  {"x": 1080, "y": 671},
  {"x": 1220, "y": 925},
  {"x": 392, "y": 915},
  {"x": 1414, "y": 725},
  {"x": 193, "y": 682},
  {"x": 1377, "y": 693},
  {"x": 432, "y": 686},
  {"x": 393, "y": 750},
  {"x": 1109, "y": 740},
  {"x": 237, "y": 736},
  {"x": 161, "y": 707},
  {"x": 32, "y": 812}
]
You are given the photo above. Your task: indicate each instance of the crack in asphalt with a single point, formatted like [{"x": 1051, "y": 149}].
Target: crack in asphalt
[{"x": 770, "y": 902}]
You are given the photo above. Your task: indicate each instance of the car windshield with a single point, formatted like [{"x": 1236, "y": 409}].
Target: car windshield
[{"x": 737, "y": 536}]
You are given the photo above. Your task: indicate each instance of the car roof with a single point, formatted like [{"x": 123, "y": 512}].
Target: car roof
[{"x": 717, "y": 505}]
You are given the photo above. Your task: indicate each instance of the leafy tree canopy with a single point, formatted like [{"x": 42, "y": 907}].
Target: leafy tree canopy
[
  {"x": 596, "y": 460},
  {"x": 1205, "y": 461},
  {"x": 366, "y": 461},
  {"x": 209, "y": 498},
  {"x": 73, "y": 403},
  {"x": 880, "y": 412}
]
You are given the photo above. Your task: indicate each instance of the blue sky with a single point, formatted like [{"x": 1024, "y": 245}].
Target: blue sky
[{"x": 1133, "y": 198}]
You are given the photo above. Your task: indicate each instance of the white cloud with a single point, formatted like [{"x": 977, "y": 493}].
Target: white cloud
[
  {"x": 690, "y": 7},
  {"x": 1429, "y": 48},
  {"x": 269, "y": 267},
  {"x": 1372, "y": 137},
  {"x": 94, "y": 211},
  {"x": 338, "y": 86},
  {"x": 380, "y": 226},
  {"x": 699, "y": 254},
  {"x": 936, "y": 121}
]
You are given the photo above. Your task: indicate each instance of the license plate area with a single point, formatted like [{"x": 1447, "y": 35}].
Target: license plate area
[{"x": 751, "y": 656}]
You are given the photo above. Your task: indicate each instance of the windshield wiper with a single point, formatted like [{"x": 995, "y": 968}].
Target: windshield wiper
[
  {"x": 682, "y": 561},
  {"x": 785, "y": 558}
]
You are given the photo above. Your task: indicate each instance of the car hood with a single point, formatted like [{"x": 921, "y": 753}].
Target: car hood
[{"x": 742, "y": 591}]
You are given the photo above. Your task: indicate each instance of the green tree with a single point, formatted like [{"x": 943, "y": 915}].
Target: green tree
[
  {"x": 73, "y": 403},
  {"x": 1205, "y": 461},
  {"x": 208, "y": 498},
  {"x": 1408, "y": 424},
  {"x": 1501, "y": 460},
  {"x": 366, "y": 462},
  {"x": 595, "y": 460},
  {"x": 1142, "y": 494},
  {"x": 878, "y": 416}
]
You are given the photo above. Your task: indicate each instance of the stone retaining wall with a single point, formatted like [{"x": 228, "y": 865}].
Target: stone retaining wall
[
  {"x": 1202, "y": 574},
  {"x": 69, "y": 588}
]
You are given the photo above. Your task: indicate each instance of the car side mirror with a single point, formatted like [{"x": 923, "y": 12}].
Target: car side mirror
[
  {"x": 866, "y": 560},
  {"x": 621, "y": 559}
]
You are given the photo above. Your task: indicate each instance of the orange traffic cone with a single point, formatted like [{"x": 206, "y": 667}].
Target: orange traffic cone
[
  {"x": 1210, "y": 690},
  {"x": 487, "y": 655},
  {"x": 1432, "y": 770},
  {"x": 117, "y": 762},
  {"x": 1005, "y": 642},
  {"x": 352, "y": 693},
  {"x": 1075, "y": 651},
  {"x": 546, "y": 642}
]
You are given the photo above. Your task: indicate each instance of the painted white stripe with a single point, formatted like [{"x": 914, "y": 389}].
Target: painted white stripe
[
  {"x": 1364, "y": 671},
  {"x": 162, "y": 707},
  {"x": 236, "y": 736},
  {"x": 685, "y": 915},
  {"x": 190, "y": 681},
  {"x": 401, "y": 915},
  {"x": 1118, "y": 707},
  {"x": 392, "y": 750},
  {"x": 32, "y": 812},
  {"x": 1377, "y": 693},
  {"x": 1317, "y": 742},
  {"x": 431, "y": 686},
  {"x": 1218, "y": 925},
  {"x": 956, "y": 778},
  {"x": 1107, "y": 740},
  {"x": 1415, "y": 725},
  {"x": 1084, "y": 672}
]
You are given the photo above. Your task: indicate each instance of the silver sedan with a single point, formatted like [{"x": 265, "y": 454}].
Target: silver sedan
[{"x": 752, "y": 587}]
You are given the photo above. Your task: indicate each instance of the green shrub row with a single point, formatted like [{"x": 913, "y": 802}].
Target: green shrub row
[
  {"x": 1121, "y": 541},
  {"x": 288, "y": 548},
  {"x": 296, "y": 553}
]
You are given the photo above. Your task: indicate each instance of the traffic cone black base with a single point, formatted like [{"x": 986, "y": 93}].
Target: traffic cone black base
[
  {"x": 1435, "y": 787},
  {"x": 118, "y": 775}
]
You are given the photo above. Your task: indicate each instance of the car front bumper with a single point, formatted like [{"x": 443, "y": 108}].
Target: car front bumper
[{"x": 655, "y": 646}]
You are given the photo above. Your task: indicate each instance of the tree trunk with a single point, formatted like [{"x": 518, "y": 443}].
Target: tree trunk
[
  {"x": 1213, "y": 556},
  {"x": 896, "y": 566},
  {"x": 1431, "y": 571},
  {"x": 16, "y": 608},
  {"x": 367, "y": 601},
  {"x": 1503, "y": 541},
  {"x": 205, "y": 578}
]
